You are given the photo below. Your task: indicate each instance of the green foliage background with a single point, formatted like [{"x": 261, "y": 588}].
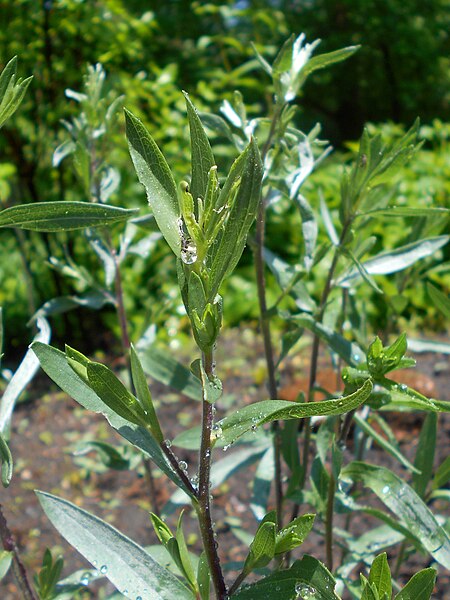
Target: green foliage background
[{"x": 153, "y": 50}]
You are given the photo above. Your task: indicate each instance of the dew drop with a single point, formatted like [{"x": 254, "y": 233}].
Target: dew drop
[
  {"x": 85, "y": 579},
  {"x": 304, "y": 591},
  {"x": 254, "y": 428},
  {"x": 403, "y": 387},
  {"x": 385, "y": 490},
  {"x": 183, "y": 466},
  {"x": 188, "y": 254},
  {"x": 103, "y": 569},
  {"x": 167, "y": 443},
  {"x": 138, "y": 597}
]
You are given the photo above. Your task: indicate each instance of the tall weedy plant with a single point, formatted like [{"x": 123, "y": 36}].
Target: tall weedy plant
[{"x": 206, "y": 223}]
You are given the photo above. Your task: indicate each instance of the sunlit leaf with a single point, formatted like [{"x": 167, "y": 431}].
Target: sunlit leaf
[
  {"x": 63, "y": 216},
  {"x": 126, "y": 565}
]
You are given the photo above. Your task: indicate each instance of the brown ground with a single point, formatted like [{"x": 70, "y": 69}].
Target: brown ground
[{"x": 48, "y": 426}]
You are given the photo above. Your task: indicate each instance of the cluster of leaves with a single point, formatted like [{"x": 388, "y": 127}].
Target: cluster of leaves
[
  {"x": 203, "y": 47},
  {"x": 206, "y": 223}
]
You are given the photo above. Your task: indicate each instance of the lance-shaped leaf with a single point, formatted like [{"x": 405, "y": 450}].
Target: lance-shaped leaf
[
  {"x": 349, "y": 351},
  {"x": 262, "y": 548},
  {"x": 114, "y": 394},
  {"x": 160, "y": 365},
  {"x": 21, "y": 377},
  {"x": 202, "y": 158},
  {"x": 143, "y": 394},
  {"x": 425, "y": 452},
  {"x": 56, "y": 365},
  {"x": 126, "y": 564},
  {"x": 227, "y": 251},
  {"x": 306, "y": 576},
  {"x": 63, "y": 216},
  {"x": 6, "y": 462},
  {"x": 406, "y": 504},
  {"x": 406, "y": 211},
  {"x": 254, "y": 415},
  {"x": 380, "y": 576},
  {"x": 419, "y": 587},
  {"x": 155, "y": 175},
  {"x": 294, "y": 534},
  {"x": 440, "y": 300},
  {"x": 392, "y": 261},
  {"x": 12, "y": 91}
]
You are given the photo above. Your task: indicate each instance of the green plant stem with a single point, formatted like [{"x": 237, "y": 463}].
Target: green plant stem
[
  {"x": 315, "y": 349},
  {"x": 329, "y": 522},
  {"x": 204, "y": 479},
  {"x": 265, "y": 322},
  {"x": 239, "y": 579},
  {"x": 18, "y": 567}
]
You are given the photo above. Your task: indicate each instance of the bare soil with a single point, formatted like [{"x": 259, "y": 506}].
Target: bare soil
[{"x": 49, "y": 425}]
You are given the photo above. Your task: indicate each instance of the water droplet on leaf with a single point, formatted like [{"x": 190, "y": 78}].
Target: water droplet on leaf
[
  {"x": 103, "y": 569},
  {"x": 304, "y": 591}
]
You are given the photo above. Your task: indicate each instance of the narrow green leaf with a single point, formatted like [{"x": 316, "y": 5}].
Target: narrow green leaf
[
  {"x": 442, "y": 475},
  {"x": 55, "y": 364},
  {"x": 406, "y": 505},
  {"x": 369, "y": 591},
  {"x": 362, "y": 271},
  {"x": 349, "y": 351},
  {"x": 114, "y": 394},
  {"x": 203, "y": 577},
  {"x": 202, "y": 158},
  {"x": 160, "y": 365},
  {"x": 262, "y": 548},
  {"x": 419, "y": 587},
  {"x": 392, "y": 261},
  {"x": 425, "y": 454},
  {"x": 385, "y": 444},
  {"x": 329, "y": 58},
  {"x": 185, "y": 559},
  {"x": 380, "y": 575},
  {"x": 440, "y": 300},
  {"x": 144, "y": 396},
  {"x": 128, "y": 566},
  {"x": 226, "y": 253},
  {"x": 22, "y": 377},
  {"x": 262, "y": 484},
  {"x": 309, "y": 229},
  {"x": 288, "y": 278},
  {"x": 5, "y": 563},
  {"x": 6, "y": 462},
  {"x": 406, "y": 211},
  {"x": 155, "y": 175},
  {"x": 5, "y": 76},
  {"x": 63, "y": 216},
  {"x": 306, "y": 576},
  {"x": 254, "y": 415},
  {"x": 12, "y": 90},
  {"x": 294, "y": 534},
  {"x": 109, "y": 455}
]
